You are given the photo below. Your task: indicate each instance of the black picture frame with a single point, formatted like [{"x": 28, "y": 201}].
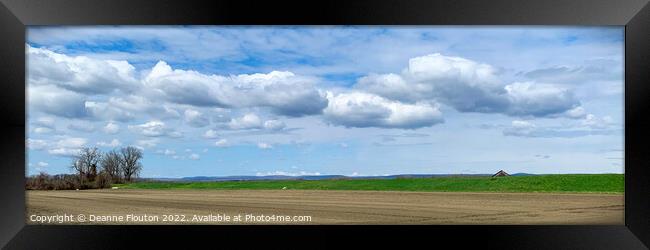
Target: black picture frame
[{"x": 15, "y": 15}]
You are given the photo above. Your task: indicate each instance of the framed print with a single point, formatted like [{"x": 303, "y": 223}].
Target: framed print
[{"x": 519, "y": 123}]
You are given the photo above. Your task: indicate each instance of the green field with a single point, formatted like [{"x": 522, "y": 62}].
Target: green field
[{"x": 595, "y": 183}]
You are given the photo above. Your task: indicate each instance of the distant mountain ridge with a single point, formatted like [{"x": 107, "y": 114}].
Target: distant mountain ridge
[{"x": 313, "y": 177}]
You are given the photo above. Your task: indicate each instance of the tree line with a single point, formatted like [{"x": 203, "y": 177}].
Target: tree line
[{"x": 93, "y": 169}]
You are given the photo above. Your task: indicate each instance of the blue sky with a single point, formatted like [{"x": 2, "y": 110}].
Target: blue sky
[{"x": 370, "y": 100}]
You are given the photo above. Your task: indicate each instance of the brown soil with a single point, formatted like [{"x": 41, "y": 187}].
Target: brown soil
[{"x": 333, "y": 207}]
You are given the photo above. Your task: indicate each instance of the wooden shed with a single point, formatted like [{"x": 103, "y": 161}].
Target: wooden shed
[{"x": 500, "y": 173}]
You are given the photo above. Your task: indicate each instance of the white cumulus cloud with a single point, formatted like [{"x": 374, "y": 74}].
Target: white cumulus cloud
[
  {"x": 284, "y": 92},
  {"x": 111, "y": 128},
  {"x": 469, "y": 86},
  {"x": 113, "y": 143},
  {"x": 67, "y": 146},
  {"x": 147, "y": 143},
  {"x": 595, "y": 122},
  {"x": 210, "y": 134},
  {"x": 42, "y": 130},
  {"x": 247, "y": 121},
  {"x": 36, "y": 144},
  {"x": 56, "y": 101},
  {"x": 274, "y": 125},
  {"x": 155, "y": 129},
  {"x": 528, "y": 98},
  {"x": 82, "y": 126},
  {"x": 222, "y": 143},
  {"x": 80, "y": 74},
  {"x": 195, "y": 118},
  {"x": 521, "y": 128},
  {"x": 358, "y": 109}
]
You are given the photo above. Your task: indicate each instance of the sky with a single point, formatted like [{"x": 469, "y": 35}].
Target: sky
[{"x": 320, "y": 100}]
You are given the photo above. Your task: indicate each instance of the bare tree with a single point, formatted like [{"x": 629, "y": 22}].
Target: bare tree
[
  {"x": 130, "y": 162},
  {"x": 79, "y": 168},
  {"x": 111, "y": 165},
  {"x": 89, "y": 158},
  {"x": 85, "y": 163}
]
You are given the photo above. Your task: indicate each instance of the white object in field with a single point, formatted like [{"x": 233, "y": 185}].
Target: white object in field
[
  {"x": 114, "y": 187},
  {"x": 77, "y": 189},
  {"x": 283, "y": 188}
]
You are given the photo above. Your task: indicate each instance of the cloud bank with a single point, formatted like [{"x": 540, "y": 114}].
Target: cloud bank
[
  {"x": 469, "y": 86},
  {"x": 66, "y": 86}
]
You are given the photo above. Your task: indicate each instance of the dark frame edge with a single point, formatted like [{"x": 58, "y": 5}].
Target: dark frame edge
[
  {"x": 12, "y": 72},
  {"x": 335, "y": 12},
  {"x": 637, "y": 91}
]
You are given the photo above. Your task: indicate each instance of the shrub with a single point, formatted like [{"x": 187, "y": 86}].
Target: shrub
[
  {"x": 44, "y": 181},
  {"x": 40, "y": 182},
  {"x": 102, "y": 181},
  {"x": 67, "y": 182}
]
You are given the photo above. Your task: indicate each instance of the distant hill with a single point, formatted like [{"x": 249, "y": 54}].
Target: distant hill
[
  {"x": 312, "y": 177},
  {"x": 522, "y": 174}
]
